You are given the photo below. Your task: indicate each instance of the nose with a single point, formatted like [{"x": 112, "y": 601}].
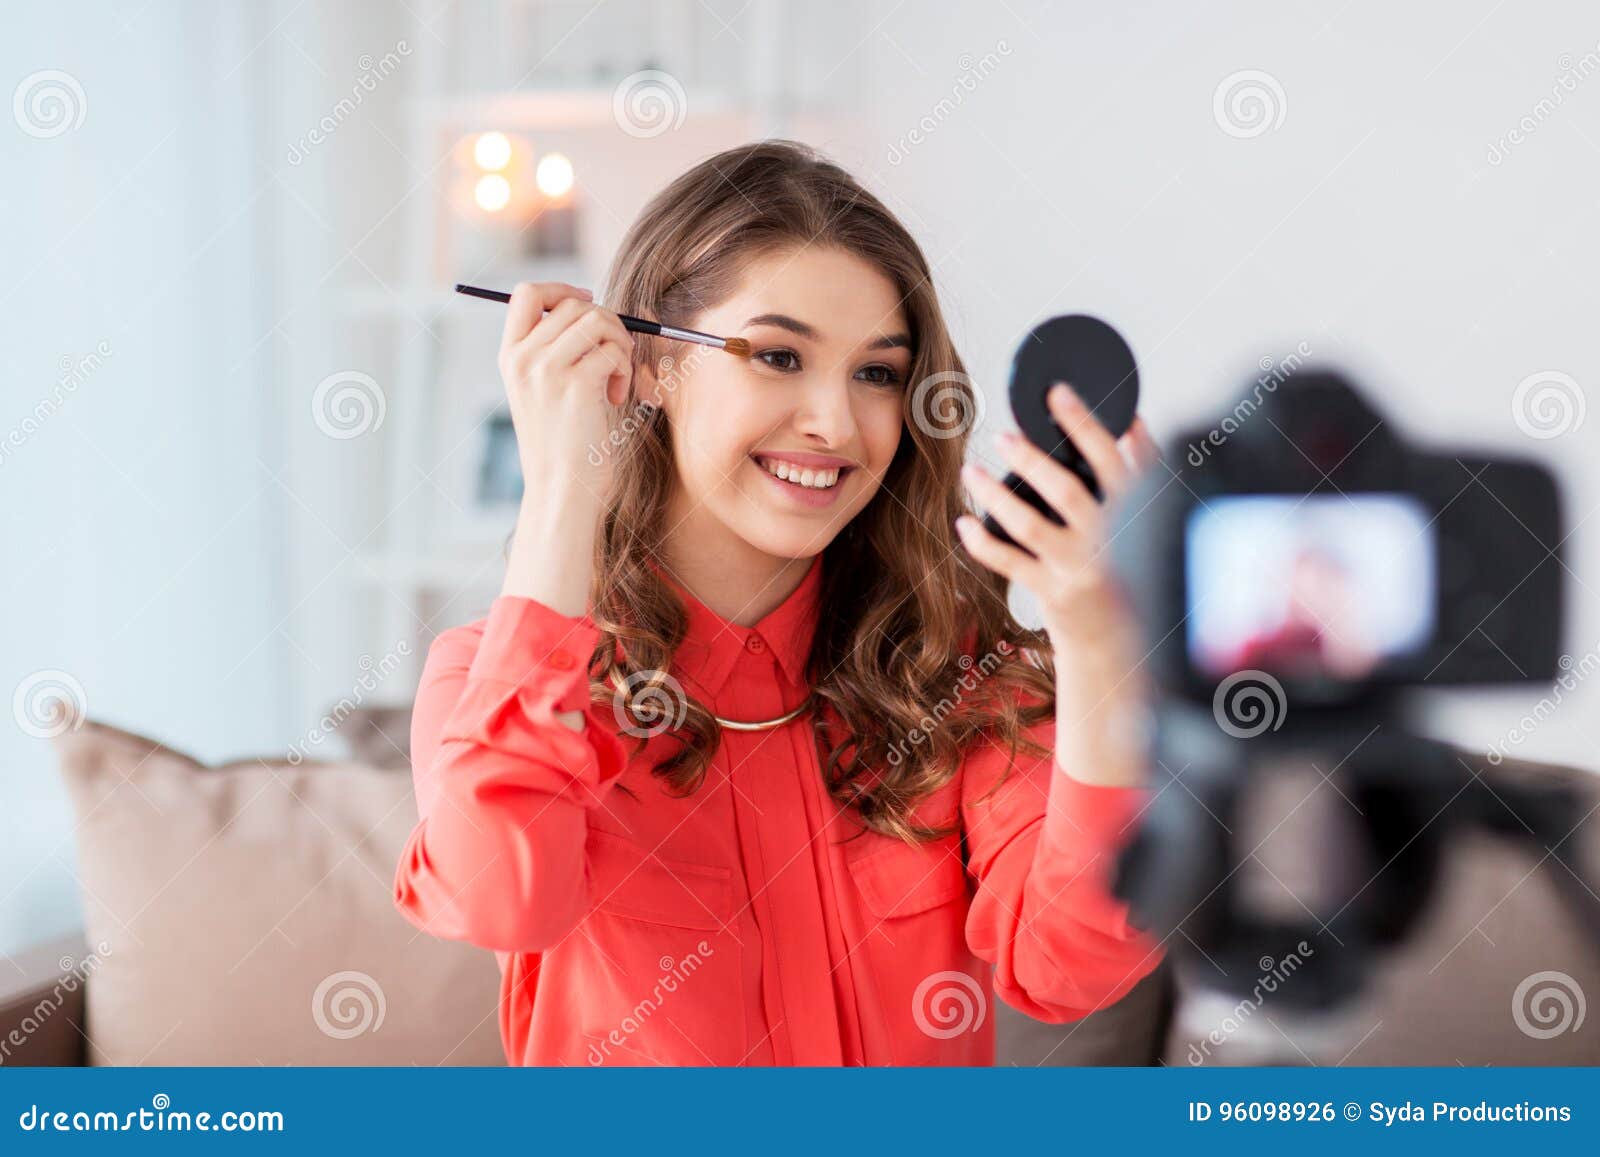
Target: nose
[{"x": 824, "y": 413}]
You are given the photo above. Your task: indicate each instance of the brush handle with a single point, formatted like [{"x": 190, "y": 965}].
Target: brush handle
[{"x": 632, "y": 324}]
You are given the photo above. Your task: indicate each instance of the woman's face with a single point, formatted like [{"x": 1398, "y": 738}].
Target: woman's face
[{"x": 819, "y": 401}]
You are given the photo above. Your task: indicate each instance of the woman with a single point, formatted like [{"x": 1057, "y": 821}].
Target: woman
[{"x": 749, "y": 763}]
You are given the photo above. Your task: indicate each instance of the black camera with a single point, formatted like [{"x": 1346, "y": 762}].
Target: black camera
[
  {"x": 1295, "y": 569},
  {"x": 1314, "y": 544}
]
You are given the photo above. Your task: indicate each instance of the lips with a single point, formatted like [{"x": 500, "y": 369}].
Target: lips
[
  {"x": 815, "y": 475},
  {"x": 811, "y": 496}
]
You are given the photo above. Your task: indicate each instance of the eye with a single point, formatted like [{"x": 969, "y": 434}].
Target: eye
[
  {"x": 776, "y": 359},
  {"x": 879, "y": 375}
]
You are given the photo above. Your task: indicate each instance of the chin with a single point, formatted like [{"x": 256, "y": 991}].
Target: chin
[{"x": 804, "y": 542}]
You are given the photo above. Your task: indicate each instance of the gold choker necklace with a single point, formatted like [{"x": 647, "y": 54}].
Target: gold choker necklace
[{"x": 730, "y": 724}]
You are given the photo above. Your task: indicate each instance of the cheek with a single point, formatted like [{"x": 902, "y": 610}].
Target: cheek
[
  {"x": 882, "y": 428},
  {"x": 716, "y": 425}
]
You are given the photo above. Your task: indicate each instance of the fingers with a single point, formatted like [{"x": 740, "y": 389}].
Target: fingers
[
  {"x": 1059, "y": 486},
  {"x": 1017, "y": 565},
  {"x": 1139, "y": 447},
  {"x": 1022, "y": 522},
  {"x": 517, "y": 360},
  {"x": 578, "y": 327},
  {"x": 529, "y": 302},
  {"x": 1092, "y": 439},
  {"x": 609, "y": 361},
  {"x": 555, "y": 325}
]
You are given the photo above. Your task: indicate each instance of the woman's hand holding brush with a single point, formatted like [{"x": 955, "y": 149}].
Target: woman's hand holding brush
[{"x": 562, "y": 359}]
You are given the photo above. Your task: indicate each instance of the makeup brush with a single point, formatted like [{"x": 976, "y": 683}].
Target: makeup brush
[{"x": 737, "y": 346}]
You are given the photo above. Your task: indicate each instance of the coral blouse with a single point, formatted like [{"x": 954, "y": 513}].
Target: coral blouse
[{"x": 741, "y": 925}]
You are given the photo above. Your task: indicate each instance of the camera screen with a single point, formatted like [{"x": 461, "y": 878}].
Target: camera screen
[{"x": 1325, "y": 585}]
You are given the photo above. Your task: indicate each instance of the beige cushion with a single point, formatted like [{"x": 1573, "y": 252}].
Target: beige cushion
[{"x": 245, "y": 915}]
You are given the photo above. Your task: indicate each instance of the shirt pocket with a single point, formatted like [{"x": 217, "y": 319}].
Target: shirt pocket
[
  {"x": 626, "y": 879},
  {"x": 912, "y": 956},
  {"x": 659, "y": 977},
  {"x": 898, "y": 880}
]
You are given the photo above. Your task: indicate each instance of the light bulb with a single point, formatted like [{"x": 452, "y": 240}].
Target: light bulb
[
  {"x": 554, "y": 175},
  {"x": 493, "y": 192},
  {"x": 492, "y": 151}
]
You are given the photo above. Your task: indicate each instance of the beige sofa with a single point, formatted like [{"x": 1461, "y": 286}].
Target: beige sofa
[{"x": 240, "y": 915}]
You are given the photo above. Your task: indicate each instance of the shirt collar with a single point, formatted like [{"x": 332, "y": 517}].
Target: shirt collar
[{"x": 713, "y": 646}]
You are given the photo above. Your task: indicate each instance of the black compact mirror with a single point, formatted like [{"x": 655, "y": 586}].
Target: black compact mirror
[{"x": 1095, "y": 361}]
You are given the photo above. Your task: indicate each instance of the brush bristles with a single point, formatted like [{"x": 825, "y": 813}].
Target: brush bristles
[{"x": 737, "y": 346}]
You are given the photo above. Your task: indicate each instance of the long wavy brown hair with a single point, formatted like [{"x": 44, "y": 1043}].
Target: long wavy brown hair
[{"x": 915, "y": 648}]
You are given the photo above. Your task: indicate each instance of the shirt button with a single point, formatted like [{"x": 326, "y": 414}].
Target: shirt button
[
  {"x": 754, "y": 644},
  {"x": 561, "y": 661}
]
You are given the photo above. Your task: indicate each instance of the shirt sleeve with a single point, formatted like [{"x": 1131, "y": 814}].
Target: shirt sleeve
[
  {"x": 503, "y": 787},
  {"x": 1042, "y": 850}
]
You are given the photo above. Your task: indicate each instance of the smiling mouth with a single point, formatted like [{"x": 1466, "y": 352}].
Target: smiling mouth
[{"x": 805, "y": 477}]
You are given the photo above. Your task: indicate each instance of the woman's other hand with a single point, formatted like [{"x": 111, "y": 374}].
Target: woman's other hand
[{"x": 1100, "y": 694}]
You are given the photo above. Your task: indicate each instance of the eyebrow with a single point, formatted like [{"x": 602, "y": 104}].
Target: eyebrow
[{"x": 799, "y": 328}]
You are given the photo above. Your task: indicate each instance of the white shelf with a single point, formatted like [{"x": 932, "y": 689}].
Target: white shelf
[{"x": 563, "y": 109}]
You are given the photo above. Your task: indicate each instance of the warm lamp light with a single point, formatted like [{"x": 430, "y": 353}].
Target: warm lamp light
[
  {"x": 492, "y": 151},
  {"x": 493, "y": 192},
  {"x": 554, "y": 175}
]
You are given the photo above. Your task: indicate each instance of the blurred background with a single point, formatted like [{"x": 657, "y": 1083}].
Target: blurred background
[{"x": 250, "y": 453}]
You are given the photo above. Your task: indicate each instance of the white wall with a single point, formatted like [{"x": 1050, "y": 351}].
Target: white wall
[
  {"x": 138, "y": 524},
  {"x": 1082, "y": 169}
]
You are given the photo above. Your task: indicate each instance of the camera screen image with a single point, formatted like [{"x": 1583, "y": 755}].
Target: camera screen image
[{"x": 1308, "y": 586}]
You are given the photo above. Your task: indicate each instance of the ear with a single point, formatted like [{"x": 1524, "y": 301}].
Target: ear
[{"x": 646, "y": 381}]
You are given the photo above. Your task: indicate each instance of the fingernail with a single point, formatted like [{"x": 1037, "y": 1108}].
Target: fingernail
[
  {"x": 1064, "y": 393},
  {"x": 1008, "y": 438}
]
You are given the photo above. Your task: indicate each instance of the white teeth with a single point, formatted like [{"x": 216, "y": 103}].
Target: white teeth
[{"x": 800, "y": 476}]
